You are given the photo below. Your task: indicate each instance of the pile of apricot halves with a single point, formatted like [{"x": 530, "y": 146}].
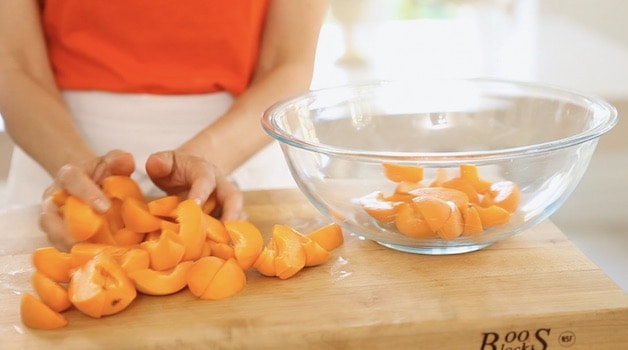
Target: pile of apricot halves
[{"x": 157, "y": 247}]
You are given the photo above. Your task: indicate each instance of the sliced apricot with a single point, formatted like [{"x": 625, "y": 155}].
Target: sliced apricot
[
  {"x": 315, "y": 254},
  {"x": 463, "y": 185},
  {"x": 379, "y": 208},
  {"x": 228, "y": 281},
  {"x": 221, "y": 250},
  {"x": 165, "y": 252},
  {"x": 101, "y": 287},
  {"x": 410, "y": 222},
  {"x": 51, "y": 292},
  {"x": 103, "y": 235},
  {"x": 53, "y": 263},
  {"x": 126, "y": 236},
  {"x": 447, "y": 194},
  {"x": 210, "y": 204},
  {"x": 503, "y": 194},
  {"x": 192, "y": 228},
  {"x": 247, "y": 241},
  {"x": 121, "y": 187},
  {"x": 59, "y": 197},
  {"x": 80, "y": 219},
  {"x": 37, "y": 315},
  {"x": 400, "y": 172},
  {"x": 406, "y": 186},
  {"x": 440, "y": 177},
  {"x": 201, "y": 273},
  {"x": 492, "y": 215},
  {"x": 290, "y": 257},
  {"x": 472, "y": 222},
  {"x": 136, "y": 216},
  {"x": 82, "y": 252},
  {"x": 265, "y": 263},
  {"x": 434, "y": 211},
  {"x": 216, "y": 230},
  {"x": 164, "y": 206},
  {"x": 153, "y": 282},
  {"x": 470, "y": 172},
  {"x": 134, "y": 259},
  {"x": 452, "y": 227},
  {"x": 328, "y": 236}
]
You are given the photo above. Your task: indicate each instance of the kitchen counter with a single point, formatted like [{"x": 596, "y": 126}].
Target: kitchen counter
[{"x": 534, "y": 289}]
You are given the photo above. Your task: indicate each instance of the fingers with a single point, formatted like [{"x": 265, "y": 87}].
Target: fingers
[
  {"x": 77, "y": 182},
  {"x": 52, "y": 223},
  {"x": 195, "y": 178}
]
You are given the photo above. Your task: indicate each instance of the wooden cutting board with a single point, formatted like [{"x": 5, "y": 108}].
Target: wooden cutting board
[{"x": 533, "y": 291}]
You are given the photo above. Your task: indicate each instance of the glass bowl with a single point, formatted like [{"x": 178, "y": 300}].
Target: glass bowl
[{"x": 388, "y": 160}]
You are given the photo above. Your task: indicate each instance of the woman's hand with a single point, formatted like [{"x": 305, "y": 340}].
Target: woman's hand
[
  {"x": 189, "y": 176},
  {"x": 81, "y": 179}
]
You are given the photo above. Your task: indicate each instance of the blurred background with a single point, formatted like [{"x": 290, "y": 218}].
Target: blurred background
[{"x": 576, "y": 44}]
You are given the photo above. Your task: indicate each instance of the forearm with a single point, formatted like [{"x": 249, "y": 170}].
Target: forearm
[
  {"x": 38, "y": 121},
  {"x": 238, "y": 134},
  {"x": 284, "y": 69}
]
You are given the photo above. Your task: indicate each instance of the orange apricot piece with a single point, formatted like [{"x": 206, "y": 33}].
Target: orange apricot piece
[
  {"x": 134, "y": 259},
  {"x": 51, "y": 292},
  {"x": 221, "y": 250},
  {"x": 170, "y": 225},
  {"x": 136, "y": 216},
  {"x": 201, "y": 273},
  {"x": 290, "y": 257},
  {"x": 101, "y": 287},
  {"x": 59, "y": 197},
  {"x": 492, "y": 215},
  {"x": 153, "y": 282},
  {"x": 472, "y": 222},
  {"x": 503, "y": 194},
  {"x": 406, "y": 186},
  {"x": 329, "y": 236},
  {"x": 315, "y": 254},
  {"x": 126, "y": 236},
  {"x": 228, "y": 281},
  {"x": 37, "y": 315},
  {"x": 82, "y": 252},
  {"x": 447, "y": 194},
  {"x": 463, "y": 185},
  {"x": 410, "y": 222},
  {"x": 247, "y": 241},
  {"x": 452, "y": 227},
  {"x": 80, "y": 219},
  {"x": 379, "y": 208},
  {"x": 440, "y": 177},
  {"x": 192, "y": 228},
  {"x": 399, "y": 172},
  {"x": 216, "y": 230},
  {"x": 164, "y": 206},
  {"x": 165, "y": 252},
  {"x": 53, "y": 263},
  {"x": 210, "y": 204},
  {"x": 103, "y": 235},
  {"x": 265, "y": 263},
  {"x": 470, "y": 172},
  {"x": 434, "y": 211},
  {"x": 121, "y": 187}
]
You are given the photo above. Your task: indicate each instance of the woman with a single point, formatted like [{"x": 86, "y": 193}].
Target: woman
[{"x": 171, "y": 89}]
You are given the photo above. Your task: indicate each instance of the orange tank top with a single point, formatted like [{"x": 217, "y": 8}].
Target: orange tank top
[{"x": 154, "y": 46}]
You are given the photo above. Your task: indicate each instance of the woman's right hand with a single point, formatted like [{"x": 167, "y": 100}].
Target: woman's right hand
[{"x": 81, "y": 179}]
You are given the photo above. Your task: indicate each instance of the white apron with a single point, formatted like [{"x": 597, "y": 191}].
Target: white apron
[{"x": 144, "y": 124}]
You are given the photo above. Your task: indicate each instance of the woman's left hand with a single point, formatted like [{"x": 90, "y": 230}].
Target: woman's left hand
[{"x": 189, "y": 176}]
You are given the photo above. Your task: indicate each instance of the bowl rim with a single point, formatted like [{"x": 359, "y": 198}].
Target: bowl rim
[{"x": 597, "y": 104}]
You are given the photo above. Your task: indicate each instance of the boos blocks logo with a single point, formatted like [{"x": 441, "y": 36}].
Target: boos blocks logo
[{"x": 538, "y": 339}]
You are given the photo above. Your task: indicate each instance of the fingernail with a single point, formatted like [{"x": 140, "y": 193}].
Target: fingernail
[{"x": 101, "y": 205}]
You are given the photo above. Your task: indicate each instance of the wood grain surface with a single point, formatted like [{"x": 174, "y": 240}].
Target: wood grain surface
[{"x": 535, "y": 290}]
